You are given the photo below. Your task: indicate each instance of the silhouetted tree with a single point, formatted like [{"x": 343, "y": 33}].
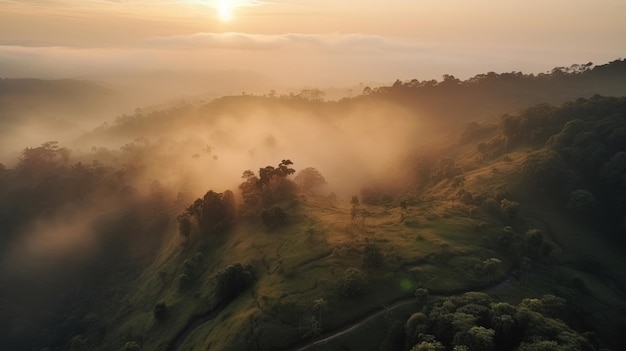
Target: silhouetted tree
[{"x": 213, "y": 213}]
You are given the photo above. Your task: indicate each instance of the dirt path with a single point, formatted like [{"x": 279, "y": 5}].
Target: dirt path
[
  {"x": 350, "y": 327},
  {"x": 353, "y": 326}
]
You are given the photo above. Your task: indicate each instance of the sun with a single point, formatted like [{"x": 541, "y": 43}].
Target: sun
[{"x": 225, "y": 10}]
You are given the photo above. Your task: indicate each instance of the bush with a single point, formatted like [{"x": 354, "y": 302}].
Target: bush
[
  {"x": 354, "y": 283},
  {"x": 160, "y": 311},
  {"x": 232, "y": 281}
]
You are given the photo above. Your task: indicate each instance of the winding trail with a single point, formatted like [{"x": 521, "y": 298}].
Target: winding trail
[
  {"x": 350, "y": 327},
  {"x": 504, "y": 283},
  {"x": 353, "y": 326},
  {"x": 201, "y": 319}
]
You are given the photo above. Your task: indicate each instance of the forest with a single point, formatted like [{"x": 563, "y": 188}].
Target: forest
[{"x": 479, "y": 214}]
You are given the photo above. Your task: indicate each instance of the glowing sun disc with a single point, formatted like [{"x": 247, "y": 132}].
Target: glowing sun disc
[{"x": 225, "y": 10}]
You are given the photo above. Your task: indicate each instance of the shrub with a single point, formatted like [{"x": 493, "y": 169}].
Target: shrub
[
  {"x": 232, "y": 281},
  {"x": 354, "y": 283},
  {"x": 160, "y": 311}
]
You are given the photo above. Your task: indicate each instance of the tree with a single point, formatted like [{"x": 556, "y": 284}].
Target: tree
[
  {"x": 309, "y": 179},
  {"x": 42, "y": 160},
  {"x": 429, "y": 346},
  {"x": 311, "y": 94},
  {"x": 232, "y": 281},
  {"x": 479, "y": 338},
  {"x": 544, "y": 168},
  {"x": 355, "y": 207},
  {"x": 353, "y": 283},
  {"x": 213, "y": 213},
  {"x": 250, "y": 189},
  {"x": 270, "y": 187},
  {"x": 490, "y": 266}
]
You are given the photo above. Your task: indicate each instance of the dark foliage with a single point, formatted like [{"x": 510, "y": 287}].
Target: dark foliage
[
  {"x": 580, "y": 157},
  {"x": 232, "y": 281},
  {"x": 213, "y": 213},
  {"x": 50, "y": 183},
  {"x": 160, "y": 311},
  {"x": 474, "y": 321},
  {"x": 274, "y": 217},
  {"x": 354, "y": 283},
  {"x": 269, "y": 188}
]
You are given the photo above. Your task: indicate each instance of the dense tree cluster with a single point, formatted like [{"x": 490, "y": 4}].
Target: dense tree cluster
[
  {"x": 83, "y": 201},
  {"x": 473, "y": 321},
  {"x": 580, "y": 157},
  {"x": 262, "y": 194},
  {"x": 213, "y": 213}
]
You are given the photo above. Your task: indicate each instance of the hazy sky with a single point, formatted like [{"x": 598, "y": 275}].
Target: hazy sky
[{"x": 308, "y": 41}]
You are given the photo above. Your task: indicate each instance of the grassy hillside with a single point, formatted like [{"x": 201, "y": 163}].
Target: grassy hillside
[
  {"x": 504, "y": 233},
  {"x": 478, "y": 224}
]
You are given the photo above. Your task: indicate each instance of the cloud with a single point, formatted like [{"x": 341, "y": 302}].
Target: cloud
[
  {"x": 290, "y": 58},
  {"x": 328, "y": 42}
]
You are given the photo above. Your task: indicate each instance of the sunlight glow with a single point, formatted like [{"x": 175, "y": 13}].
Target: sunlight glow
[{"x": 225, "y": 10}]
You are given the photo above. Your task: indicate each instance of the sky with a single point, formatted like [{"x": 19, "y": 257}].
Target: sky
[{"x": 307, "y": 42}]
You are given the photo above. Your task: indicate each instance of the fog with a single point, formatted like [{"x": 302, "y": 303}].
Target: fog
[{"x": 181, "y": 149}]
